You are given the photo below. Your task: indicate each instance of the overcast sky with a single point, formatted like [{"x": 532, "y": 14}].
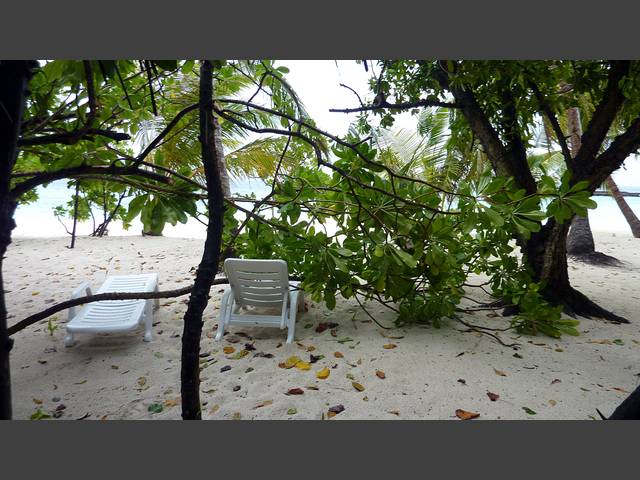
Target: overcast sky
[{"x": 318, "y": 84}]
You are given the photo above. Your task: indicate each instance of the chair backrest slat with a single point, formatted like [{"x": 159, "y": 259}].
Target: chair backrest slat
[{"x": 260, "y": 283}]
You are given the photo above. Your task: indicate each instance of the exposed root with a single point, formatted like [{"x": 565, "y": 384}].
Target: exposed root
[{"x": 574, "y": 304}]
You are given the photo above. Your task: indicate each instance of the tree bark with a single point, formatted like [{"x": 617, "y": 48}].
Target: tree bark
[
  {"x": 546, "y": 254},
  {"x": 580, "y": 241},
  {"x": 632, "y": 219},
  {"x": 75, "y": 215},
  {"x": 14, "y": 79},
  {"x": 211, "y": 158}
]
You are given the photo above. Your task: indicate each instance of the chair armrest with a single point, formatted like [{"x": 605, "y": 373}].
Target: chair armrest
[{"x": 83, "y": 290}]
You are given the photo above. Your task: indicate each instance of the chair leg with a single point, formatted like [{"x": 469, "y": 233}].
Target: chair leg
[
  {"x": 156, "y": 301},
  {"x": 69, "y": 340},
  {"x": 148, "y": 321},
  {"x": 290, "y": 333},
  {"x": 224, "y": 307}
]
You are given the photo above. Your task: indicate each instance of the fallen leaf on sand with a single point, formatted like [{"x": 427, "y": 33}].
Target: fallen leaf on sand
[
  {"x": 529, "y": 411},
  {"x": 228, "y": 350},
  {"x": 345, "y": 340},
  {"x": 263, "y": 355},
  {"x": 240, "y": 354},
  {"x": 236, "y": 416},
  {"x": 290, "y": 362},
  {"x": 334, "y": 333},
  {"x": 315, "y": 358},
  {"x": 155, "y": 408},
  {"x": 618, "y": 389},
  {"x": 357, "y": 386},
  {"x": 389, "y": 346},
  {"x": 335, "y": 410},
  {"x": 552, "y": 403},
  {"x": 464, "y": 415},
  {"x": 499, "y": 372},
  {"x": 380, "y": 374},
  {"x": 295, "y": 391},
  {"x": 292, "y": 411},
  {"x": 462, "y": 381},
  {"x": 555, "y": 380},
  {"x": 311, "y": 348},
  {"x": 338, "y": 355},
  {"x": 37, "y": 401},
  {"x": 263, "y": 404},
  {"x": 323, "y": 374},
  {"x": 311, "y": 387},
  {"x": 601, "y": 342},
  {"x": 394, "y": 412},
  {"x": 171, "y": 402},
  {"x": 324, "y": 326},
  {"x": 301, "y": 365},
  {"x": 493, "y": 396},
  {"x": 81, "y": 382},
  {"x": 214, "y": 409}
]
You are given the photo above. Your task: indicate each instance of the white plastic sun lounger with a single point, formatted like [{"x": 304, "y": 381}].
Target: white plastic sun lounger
[
  {"x": 114, "y": 316},
  {"x": 259, "y": 284}
]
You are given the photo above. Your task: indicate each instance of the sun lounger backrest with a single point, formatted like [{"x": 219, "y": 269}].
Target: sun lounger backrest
[
  {"x": 129, "y": 283},
  {"x": 259, "y": 283}
]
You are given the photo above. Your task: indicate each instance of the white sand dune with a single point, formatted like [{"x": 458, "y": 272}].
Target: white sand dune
[{"x": 431, "y": 372}]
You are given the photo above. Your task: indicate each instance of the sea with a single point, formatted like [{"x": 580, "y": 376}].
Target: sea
[{"x": 37, "y": 219}]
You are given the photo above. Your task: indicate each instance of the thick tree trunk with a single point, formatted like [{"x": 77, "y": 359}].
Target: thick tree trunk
[
  {"x": 546, "y": 254},
  {"x": 631, "y": 218},
  {"x": 14, "y": 78},
  {"x": 211, "y": 156}
]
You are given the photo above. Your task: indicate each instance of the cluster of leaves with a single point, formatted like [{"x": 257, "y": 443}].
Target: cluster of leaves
[{"x": 410, "y": 248}]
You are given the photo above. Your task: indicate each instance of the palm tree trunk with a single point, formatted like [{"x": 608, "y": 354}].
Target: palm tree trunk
[
  {"x": 580, "y": 239},
  {"x": 631, "y": 218},
  {"x": 222, "y": 165}
]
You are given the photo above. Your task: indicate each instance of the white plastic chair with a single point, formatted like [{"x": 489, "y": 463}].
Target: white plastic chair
[
  {"x": 114, "y": 316},
  {"x": 259, "y": 284}
]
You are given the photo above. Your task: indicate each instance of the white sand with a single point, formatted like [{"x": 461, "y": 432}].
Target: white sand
[{"x": 119, "y": 376}]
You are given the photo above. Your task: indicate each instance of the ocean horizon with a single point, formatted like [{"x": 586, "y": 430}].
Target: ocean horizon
[{"x": 37, "y": 219}]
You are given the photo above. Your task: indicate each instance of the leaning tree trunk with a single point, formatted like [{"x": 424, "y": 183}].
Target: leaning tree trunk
[
  {"x": 14, "y": 79},
  {"x": 631, "y": 218},
  {"x": 211, "y": 157}
]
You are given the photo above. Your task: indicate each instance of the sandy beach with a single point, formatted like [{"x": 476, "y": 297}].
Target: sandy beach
[{"x": 427, "y": 375}]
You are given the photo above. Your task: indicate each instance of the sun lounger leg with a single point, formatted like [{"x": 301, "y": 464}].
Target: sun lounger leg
[
  {"x": 224, "y": 307},
  {"x": 148, "y": 321},
  {"x": 156, "y": 301},
  {"x": 69, "y": 340}
]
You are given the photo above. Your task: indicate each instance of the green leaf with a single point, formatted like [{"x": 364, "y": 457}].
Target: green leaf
[
  {"x": 155, "y": 408},
  {"x": 529, "y": 411},
  {"x": 494, "y": 217}
]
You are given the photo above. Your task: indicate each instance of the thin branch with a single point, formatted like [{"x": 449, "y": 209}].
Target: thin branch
[
  {"x": 397, "y": 106},
  {"x": 30, "y": 320}
]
